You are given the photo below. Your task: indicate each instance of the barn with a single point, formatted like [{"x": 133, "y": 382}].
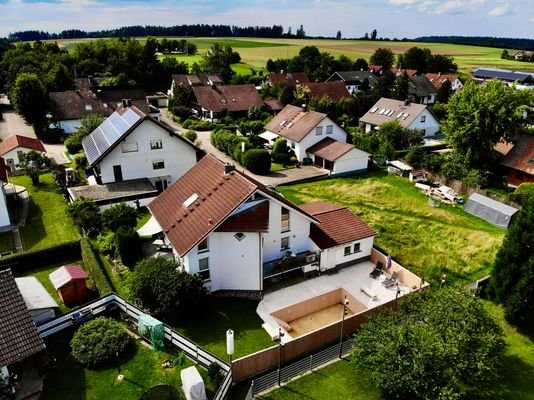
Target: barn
[{"x": 69, "y": 281}]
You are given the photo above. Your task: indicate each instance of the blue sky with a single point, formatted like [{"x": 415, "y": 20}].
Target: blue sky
[{"x": 391, "y": 18}]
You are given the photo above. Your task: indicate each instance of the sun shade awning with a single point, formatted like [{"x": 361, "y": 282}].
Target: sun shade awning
[{"x": 150, "y": 228}]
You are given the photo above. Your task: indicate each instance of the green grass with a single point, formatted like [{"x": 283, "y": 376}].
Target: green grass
[
  {"x": 428, "y": 241},
  {"x": 279, "y": 167},
  {"x": 335, "y": 381},
  {"x": 47, "y": 224},
  {"x": 141, "y": 368},
  {"x": 143, "y": 215},
  {"x": 41, "y": 273},
  {"x": 7, "y": 243},
  {"x": 209, "y": 329}
]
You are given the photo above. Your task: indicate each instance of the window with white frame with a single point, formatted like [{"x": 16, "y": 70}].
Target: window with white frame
[
  {"x": 329, "y": 129},
  {"x": 423, "y": 118},
  {"x": 319, "y": 130},
  {"x": 284, "y": 243},
  {"x": 204, "y": 268},
  {"x": 156, "y": 144},
  {"x": 159, "y": 164},
  {"x": 284, "y": 219},
  {"x": 203, "y": 246},
  {"x": 357, "y": 247},
  {"x": 347, "y": 251}
]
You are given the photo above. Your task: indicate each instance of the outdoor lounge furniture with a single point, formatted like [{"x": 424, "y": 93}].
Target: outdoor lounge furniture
[
  {"x": 391, "y": 280},
  {"x": 375, "y": 273},
  {"x": 369, "y": 292}
]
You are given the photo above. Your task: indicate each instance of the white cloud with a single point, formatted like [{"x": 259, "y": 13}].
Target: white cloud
[
  {"x": 497, "y": 12},
  {"x": 449, "y": 6},
  {"x": 402, "y": 2},
  {"x": 425, "y": 5}
]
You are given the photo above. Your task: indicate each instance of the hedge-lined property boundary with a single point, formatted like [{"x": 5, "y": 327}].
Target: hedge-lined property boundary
[{"x": 93, "y": 268}]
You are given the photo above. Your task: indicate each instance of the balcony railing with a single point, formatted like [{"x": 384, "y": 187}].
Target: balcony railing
[{"x": 289, "y": 262}]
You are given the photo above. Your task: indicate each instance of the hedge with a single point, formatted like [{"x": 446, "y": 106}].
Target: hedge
[
  {"x": 93, "y": 268},
  {"x": 21, "y": 262},
  {"x": 257, "y": 161}
]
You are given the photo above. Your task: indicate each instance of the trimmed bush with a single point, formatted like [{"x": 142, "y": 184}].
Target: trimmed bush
[
  {"x": 128, "y": 245},
  {"x": 215, "y": 374},
  {"x": 280, "y": 158},
  {"x": 21, "y": 262},
  {"x": 257, "y": 161},
  {"x": 187, "y": 123},
  {"x": 93, "y": 268},
  {"x": 119, "y": 215},
  {"x": 190, "y": 135},
  {"x": 293, "y": 160},
  {"x": 97, "y": 341},
  {"x": 201, "y": 126},
  {"x": 181, "y": 112}
]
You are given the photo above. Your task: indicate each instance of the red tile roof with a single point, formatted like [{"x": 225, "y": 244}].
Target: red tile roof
[
  {"x": 253, "y": 220},
  {"x": 12, "y": 142},
  {"x": 335, "y": 90},
  {"x": 273, "y": 105},
  {"x": 338, "y": 225},
  {"x": 330, "y": 149},
  {"x": 409, "y": 72},
  {"x": 68, "y": 273},
  {"x": 213, "y": 195},
  {"x": 292, "y": 78},
  {"x": 521, "y": 157},
  {"x": 438, "y": 79},
  {"x": 198, "y": 79},
  {"x": 294, "y": 123},
  {"x": 231, "y": 97},
  {"x": 375, "y": 68}
]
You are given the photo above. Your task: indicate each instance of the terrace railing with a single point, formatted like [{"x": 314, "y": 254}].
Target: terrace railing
[{"x": 112, "y": 301}]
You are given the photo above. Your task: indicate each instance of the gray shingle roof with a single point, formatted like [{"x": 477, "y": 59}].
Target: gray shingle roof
[
  {"x": 294, "y": 123},
  {"x": 386, "y": 110},
  {"x": 420, "y": 86},
  {"x": 19, "y": 337},
  {"x": 355, "y": 77}
]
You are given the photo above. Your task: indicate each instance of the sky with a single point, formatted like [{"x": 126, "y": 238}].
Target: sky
[{"x": 391, "y": 18}]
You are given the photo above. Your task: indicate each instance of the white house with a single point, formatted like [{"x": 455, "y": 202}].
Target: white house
[
  {"x": 409, "y": 115},
  {"x": 130, "y": 145},
  {"x": 439, "y": 79},
  {"x": 355, "y": 80},
  {"x": 13, "y": 146},
  {"x": 235, "y": 232},
  {"x": 302, "y": 129}
]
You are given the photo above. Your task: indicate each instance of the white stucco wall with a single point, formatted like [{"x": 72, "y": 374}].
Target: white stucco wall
[
  {"x": 336, "y": 255},
  {"x": 177, "y": 155},
  {"x": 354, "y": 160},
  {"x": 5, "y": 223},
  {"x": 457, "y": 84},
  {"x": 311, "y": 138},
  {"x": 430, "y": 126}
]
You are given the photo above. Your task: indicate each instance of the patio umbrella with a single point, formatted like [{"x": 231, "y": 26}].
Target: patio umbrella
[{"x": 388, "y": 262}]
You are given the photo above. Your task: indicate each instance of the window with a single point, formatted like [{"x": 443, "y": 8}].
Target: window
[
  {"x": 239, "y": 236},
  {"x": 329, "y": 129},
  {"x": 319, "y": 130},
  {"x": 284, "y": 219},
  {"x": 129, "y": 147},
  {"x": 357, "y": 247},
  {"x": 203, "y": 246},
  {"x": 347, "y": 251},
  {"x": 156, "y": 144},
  {"x": 284, "y": 243},
  {"x": 519, "y": 175},
  {"x": 160, "y": 164},
  {"x": 423, "y": 118},
  {"x": 293, "y": 145},
  {"x": 204, "y": 268}
]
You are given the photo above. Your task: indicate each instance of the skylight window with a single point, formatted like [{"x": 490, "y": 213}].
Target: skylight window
[
  {"x": 373, "y": 110},
  {"x": 283, "y": 122},
  {"x": 190, "y": 200}
]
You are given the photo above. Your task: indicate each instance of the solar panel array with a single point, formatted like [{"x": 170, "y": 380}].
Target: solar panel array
[{"x": 108, "y": 133}]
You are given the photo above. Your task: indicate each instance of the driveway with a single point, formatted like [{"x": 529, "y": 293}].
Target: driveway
[
  {"x": 13, "y": 124},
  {"x": 275, "y": 178}
]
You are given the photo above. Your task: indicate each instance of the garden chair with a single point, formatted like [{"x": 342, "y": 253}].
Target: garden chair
[
  {"x": 375, "y": 273},
  {"x": 391, "y": 280}
]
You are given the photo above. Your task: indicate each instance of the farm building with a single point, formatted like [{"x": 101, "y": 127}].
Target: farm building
[
  {"x": 38, "y": 301},
  {"x": 494, "y": 212},
  {"x": 69, "y": 281}
]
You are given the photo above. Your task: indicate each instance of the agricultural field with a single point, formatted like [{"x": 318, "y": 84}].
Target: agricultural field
[{"x": 256, "y": 51}]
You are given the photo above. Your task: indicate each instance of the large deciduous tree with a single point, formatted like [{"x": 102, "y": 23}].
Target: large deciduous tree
[
  {"x": 32, "y": 163},
  {"x": 481, "y": 115},
  {"x": 442, "y": 344},
  {"x": 512, "y": 279},
  {"x": 383, "y": 57},
  {"x": 219, "y": 58},
  {"x": 28, "y": 96}
]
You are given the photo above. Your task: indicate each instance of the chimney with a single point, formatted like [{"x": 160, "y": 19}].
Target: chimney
[
  {"x": 228, "y": 168},
  {"x": 439, "y": 74},
  {"x": 124, "y": 103},
  {"x": 282, "y": 71}
]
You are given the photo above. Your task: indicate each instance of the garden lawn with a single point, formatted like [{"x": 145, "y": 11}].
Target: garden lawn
[
  {"x": 428, "y": 241},
  {"x": 335, "y": 381},
  {"x": 47, "y": 223},
  {"x": 7, "y": 243},
  {"x": 209, "y": 329},
  {"x": 279, "y": 167},
  {"x": 140, "y": 366}
]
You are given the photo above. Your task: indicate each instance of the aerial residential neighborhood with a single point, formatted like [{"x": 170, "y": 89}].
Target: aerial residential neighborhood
[{"x": 207, "y": 205}]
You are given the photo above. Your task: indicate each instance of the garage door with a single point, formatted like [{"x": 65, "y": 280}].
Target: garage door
[{"x": 319, "y": 161}]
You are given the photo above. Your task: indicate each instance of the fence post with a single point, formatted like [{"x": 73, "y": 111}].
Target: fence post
[
  {"x": 311, "y": 363},
  {"x": 252, "y": 389},
  {"x": 196, "y": 353}
]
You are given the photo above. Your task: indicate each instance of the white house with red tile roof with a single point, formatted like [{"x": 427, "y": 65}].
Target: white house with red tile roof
[
  {"x": 236, "y": 232},
  {"x": 439, "y": 79},
  {"x": 13, "y": 146}
]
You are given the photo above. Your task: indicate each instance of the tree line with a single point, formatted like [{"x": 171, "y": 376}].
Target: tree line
[{"x": 486, "y": 41}]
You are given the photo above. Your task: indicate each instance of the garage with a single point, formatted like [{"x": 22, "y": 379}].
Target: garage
[{"x": 338, "y": 157}]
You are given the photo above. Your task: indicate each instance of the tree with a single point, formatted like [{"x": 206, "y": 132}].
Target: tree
[
  {"x": 400, "y": 87},
  {"x": 181, "y": 96},
  {"x": 119, "y": 215},
  {"x": 444, "y": 92},
  {"x": 257, "y": 161},
  {"x": 374, "y": 33},
  {"x": 29, "y": 98},
  {"x": 85, "y": 213},
  {"x": 383, "y": 57},
  {"x": 512, "y": 279},
  {"x": 301, "y": 34},
  {"x": 88, "y": 124},
  {"x": 481, "y": 115},
  {"x": 128, "y": 245},
  {"x": 158, "y": 286},
  {"x": 505, "y": 55},
  {"x": 80, "y": 163},
  {"x": 338, "y": 35},
  {"x": 301, "y": 95},
  {"x": 254, "y": 112},
  {"x": 32, "y": 163},
  {"x": 416, "y": 58},
  {"x": 219, "y": 59},
  {"x": 361, "y": 65},
  {"x": 98, "y": 341},
  {"x": 442, "y": 344}
]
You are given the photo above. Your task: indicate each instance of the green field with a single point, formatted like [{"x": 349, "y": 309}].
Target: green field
[
  {"x": 428, "y": 241},
  {"x": 256, "y": 51}
]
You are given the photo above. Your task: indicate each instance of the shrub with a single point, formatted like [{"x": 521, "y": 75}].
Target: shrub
[
  {"x": 225, "y": 141},
  {"x": 21, "y": 262},
  {"x": 257, "y": 161},
  {"x": 525, "y": 188},
  {"x": 85, "y": 213},
  {"x": 98, "y": 341},
  {"x": 119, "y": 215},
  {"x": 280, "y": 146},
  {"x": 415, "y": 156},
  {"x": 93, "y": 268},
  {"x": 293, "y": 160},
  {"x": 187, "y": 123},
  {"x": 181, "y": 112},
  {"x": 215, "y": 374},
  {"x": 280, "y": 158},
  {"x": 73, "y": 143},
  {"x": 127, "y": 243},
  {"x": 190, "y": 135},
  {"x": 105, "y": 242},
  {"x": 201, "y": 126}
]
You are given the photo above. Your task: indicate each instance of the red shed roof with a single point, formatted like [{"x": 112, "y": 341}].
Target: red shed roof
[
  {"x": 292, "y": 78},
  {"x": 231, "y": 97},
  {"x": 336, "y": 90},
  {"x": 330, "y": 149},
  {"x": 338, "y": 225},
  {"x": 63, "y": 275},
  {"x": 521, "y": 157},
  {"x": 12, "y": 142}
]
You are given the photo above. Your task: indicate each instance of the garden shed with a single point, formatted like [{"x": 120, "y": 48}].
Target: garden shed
[
  {"x": 41, "y": 305},
  {"x": 493, "y": 211},
  {"x": 69, "y": 281}
]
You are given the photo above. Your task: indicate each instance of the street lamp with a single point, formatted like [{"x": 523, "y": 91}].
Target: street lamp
[
  {"x": 121, "y": 376},
  {"x": 230, "y": 344},
  {"x": 345, "y": 304},
  {"x": 280, "y": 344}
]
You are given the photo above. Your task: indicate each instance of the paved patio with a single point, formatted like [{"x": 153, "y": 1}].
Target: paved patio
[{"x": 352, "y": 279}]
